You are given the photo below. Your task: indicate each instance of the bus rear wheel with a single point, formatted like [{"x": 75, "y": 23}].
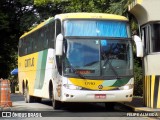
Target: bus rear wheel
[{"x": 27, "y": 97}]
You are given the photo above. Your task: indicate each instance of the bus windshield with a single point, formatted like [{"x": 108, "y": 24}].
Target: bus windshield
[
  {"x": 105, "y": 28},
  {"x": 98, "y": 58}
]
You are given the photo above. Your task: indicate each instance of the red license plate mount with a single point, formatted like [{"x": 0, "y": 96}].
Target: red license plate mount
[{"x": 100, "y": 96}]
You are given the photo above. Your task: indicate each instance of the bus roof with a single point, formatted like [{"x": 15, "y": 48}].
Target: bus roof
[
  {"x": 78, "y": 16},
  {"x": 90, "y": 16}
]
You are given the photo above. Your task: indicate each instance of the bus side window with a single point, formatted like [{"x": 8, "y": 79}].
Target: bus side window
[
  {"x": 39, "y": 40},
  {"x": 42, "y": 34},
  {"x": 25, "y": 46},
  {"x": 51, "y": 34},
  {"x": 30, "y": 43},
  {"x": 20, "y": 47},
  {"x": 46, "y": 38},
  {"x": 34, "y": 46}
]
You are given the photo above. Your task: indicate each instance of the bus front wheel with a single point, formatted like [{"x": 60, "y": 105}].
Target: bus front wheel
[{"x": 56, "y": 104}]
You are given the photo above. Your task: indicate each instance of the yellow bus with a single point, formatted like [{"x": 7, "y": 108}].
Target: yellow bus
[{"x": 77, "y": 57}]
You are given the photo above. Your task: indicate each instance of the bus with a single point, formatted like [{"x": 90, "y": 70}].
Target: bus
[{"x": 77, "y": 57}]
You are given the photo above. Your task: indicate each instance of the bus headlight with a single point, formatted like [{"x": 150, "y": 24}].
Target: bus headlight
[
  {"x": 72, "y": 87},
  {"x": 126, "y": 87}
]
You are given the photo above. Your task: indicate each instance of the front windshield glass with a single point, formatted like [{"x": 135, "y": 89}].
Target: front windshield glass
[
  {"x": 100, "y": 58},
  {"x": 104, "y": 28},
  {"x": 83, "y": 56}
]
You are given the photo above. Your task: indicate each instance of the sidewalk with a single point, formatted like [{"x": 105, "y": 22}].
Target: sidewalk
[{"x": 138, "y": 105}]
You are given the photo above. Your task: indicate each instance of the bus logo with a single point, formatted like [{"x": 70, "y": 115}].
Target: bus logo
[
  {"x": 100, "y": 86},
  {"x": 29, "y": 62}
]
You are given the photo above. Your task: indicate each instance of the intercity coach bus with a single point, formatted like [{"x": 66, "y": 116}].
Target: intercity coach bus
[{"x": 77, "y": 57}]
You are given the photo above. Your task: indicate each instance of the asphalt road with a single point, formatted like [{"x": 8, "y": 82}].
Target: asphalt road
[
  {"x": 46, "y": 105},
  {"x": 78, "y": 110}
]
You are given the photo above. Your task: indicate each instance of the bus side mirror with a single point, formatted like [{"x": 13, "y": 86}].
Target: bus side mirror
[
  {"x": 59, "y": 44},
  {"x": 139, "y": 45}
]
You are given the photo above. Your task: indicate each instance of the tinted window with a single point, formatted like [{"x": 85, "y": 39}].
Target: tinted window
[
  {"x": 39, "y": 40},
  {"x": 155, "y": 37}
]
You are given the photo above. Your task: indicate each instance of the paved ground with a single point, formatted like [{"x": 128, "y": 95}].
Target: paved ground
[
  {"x": 138, "y": 105},
  {"x": 80, "y": 110}
]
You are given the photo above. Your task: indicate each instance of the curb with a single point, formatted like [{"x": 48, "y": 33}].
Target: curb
[{"x": 139, "y": 109}]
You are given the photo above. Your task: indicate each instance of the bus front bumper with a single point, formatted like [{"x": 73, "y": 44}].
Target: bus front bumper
[{"x": 97, "y": 96}]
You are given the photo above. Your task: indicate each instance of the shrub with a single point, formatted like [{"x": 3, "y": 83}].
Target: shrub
[{"x": 138, "y": 77}]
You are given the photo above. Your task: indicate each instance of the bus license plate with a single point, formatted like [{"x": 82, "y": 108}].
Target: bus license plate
[{"x": 100, "y": 96}]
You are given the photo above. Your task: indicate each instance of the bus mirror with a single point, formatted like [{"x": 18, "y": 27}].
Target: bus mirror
[
  {"x": 139, "y": 46},
  {"x": 59, "y": 44}
]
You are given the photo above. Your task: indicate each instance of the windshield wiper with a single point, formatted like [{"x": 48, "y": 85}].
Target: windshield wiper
[
  {"x": 77, "y": 73},
  {"x": 111, "y": 66},
  {"x": 74, "y": 70}
]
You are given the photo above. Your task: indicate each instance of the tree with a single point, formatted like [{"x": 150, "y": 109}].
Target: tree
[
  {"x": 45, "y": 11},
  {"x": 16, "y": 16},
  {"x": 119, "y": 7}
]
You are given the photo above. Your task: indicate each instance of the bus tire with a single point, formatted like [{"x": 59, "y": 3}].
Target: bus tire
[
  {"x": 23, "y": 87},
  {"x": 28, "y": 98},
  {"x": 56, "y": 104}
]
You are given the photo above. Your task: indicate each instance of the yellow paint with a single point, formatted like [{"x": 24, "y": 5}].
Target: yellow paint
[
  {"x": 147, "y": 90},
  {"x": 139, "y": 1},
  {"x": 144, "y": 90},
  {"x": 158, "y": 101},
  {"x": 149, "y": 87},
  {"x": 27, "y": 72},
  {"x": 152, "y": 90},
  {"x": 89, "y": 84}
]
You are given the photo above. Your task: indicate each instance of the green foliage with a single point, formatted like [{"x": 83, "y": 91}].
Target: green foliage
[
  {"x": 119, "y": 7},
  {"x": 86, "y": 6},
  {"x": 4, "y": 24},
  {"x": 138, "y": 77},
  {"x": 16, "y": 16},
  {"x": 42, "y": 2}
]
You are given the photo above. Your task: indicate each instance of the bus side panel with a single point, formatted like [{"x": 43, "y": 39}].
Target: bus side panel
[
  {"x": 44, "y": 74},
  {"x": 27, "y": 66},
  {"x": 37, "y": 70}
]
